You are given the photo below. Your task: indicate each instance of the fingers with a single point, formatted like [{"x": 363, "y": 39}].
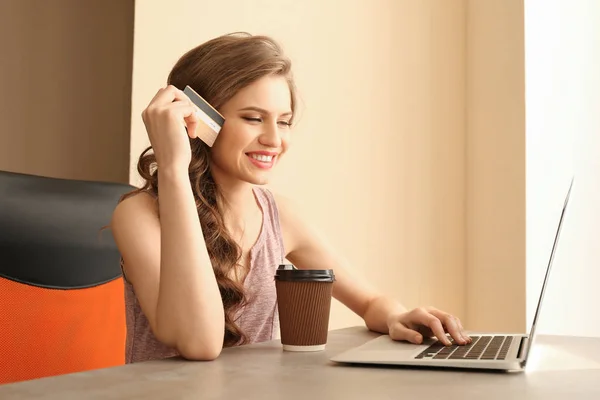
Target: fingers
[
  {"x": 169, "y": 94},
  {"x": 399, "y": 331},
  {"x": 191, "y": 123},
  {"x": 163, "y": 100},
  {"x": 191, "y": 128},
  {"x": 188, "y": 108},
  {"x": 462, "y": 330},
  {"x": 187, "y": 112},
  {"x": 429, "y": 320},
  {"x": 452, "y": 325}
]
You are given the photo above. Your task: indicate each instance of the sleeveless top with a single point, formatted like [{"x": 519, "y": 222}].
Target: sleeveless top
[{"x": 259, "y": 319}]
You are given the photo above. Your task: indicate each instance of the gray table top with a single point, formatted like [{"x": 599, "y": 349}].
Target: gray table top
[{"x": 264, "y": 371}]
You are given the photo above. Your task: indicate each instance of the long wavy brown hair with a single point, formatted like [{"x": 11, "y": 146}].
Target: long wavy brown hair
[{"x": 217, "y": 70}]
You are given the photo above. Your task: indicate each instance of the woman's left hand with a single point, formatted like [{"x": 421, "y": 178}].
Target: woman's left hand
[{"x": 421, "y": 322}]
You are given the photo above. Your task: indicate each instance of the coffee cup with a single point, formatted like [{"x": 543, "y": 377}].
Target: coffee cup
[{"x": 304, "y": 302}]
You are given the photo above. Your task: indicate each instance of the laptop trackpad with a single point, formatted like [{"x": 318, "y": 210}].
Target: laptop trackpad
[{"x": 384, "y": 349}]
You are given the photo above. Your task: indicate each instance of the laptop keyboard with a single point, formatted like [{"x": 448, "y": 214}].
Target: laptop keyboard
[{"x": 481, "y": 348}]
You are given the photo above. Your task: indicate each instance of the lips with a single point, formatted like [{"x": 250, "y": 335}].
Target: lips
[{"x": 262, "y": 159}]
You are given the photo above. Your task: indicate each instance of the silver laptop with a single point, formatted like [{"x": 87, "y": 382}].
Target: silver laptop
[{"x": 487, "y": 351}]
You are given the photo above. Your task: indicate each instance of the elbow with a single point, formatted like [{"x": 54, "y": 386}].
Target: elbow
[
  {"x": 191, "y": 342},
  {"x": 192, "y": 347},
  {"x": 199, "y": 351}
]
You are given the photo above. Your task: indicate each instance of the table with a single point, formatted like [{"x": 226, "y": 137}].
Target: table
[{"x": 263, "y": 371}]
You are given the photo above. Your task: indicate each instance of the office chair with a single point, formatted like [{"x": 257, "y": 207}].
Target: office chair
[{"x": 61, "y": 289}]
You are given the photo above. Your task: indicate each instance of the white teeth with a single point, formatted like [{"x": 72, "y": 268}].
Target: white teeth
[{"x": 261, "y": 157}]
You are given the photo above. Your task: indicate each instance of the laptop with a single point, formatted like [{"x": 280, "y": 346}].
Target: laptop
[{"x": 488, "y": 351}]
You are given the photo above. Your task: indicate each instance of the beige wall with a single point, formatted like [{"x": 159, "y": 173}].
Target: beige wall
[
  {"x": 495, "y": 276},
  {"x": 382, "y": 126},
  {"x": 415, "y": 110},
  {"x": 65, "y": 73}
]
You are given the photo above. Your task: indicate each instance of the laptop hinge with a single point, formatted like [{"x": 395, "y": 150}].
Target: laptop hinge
[{"x": 522, "y": 347}]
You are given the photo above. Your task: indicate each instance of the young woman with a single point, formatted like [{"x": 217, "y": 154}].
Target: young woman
[{"x": 201, "y": 240}]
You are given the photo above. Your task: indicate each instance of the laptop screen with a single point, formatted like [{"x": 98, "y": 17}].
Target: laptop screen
[{"x": 548, "y": 268}]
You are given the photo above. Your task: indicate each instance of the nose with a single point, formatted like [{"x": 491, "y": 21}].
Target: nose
[{"x": 270, "y": 136}]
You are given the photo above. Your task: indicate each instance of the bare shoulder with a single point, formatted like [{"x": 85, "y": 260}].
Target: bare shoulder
[
  {"x": 285, "y": 204},
  {"x": 295, "y": 223},
  {"x": 136, "y": 228},
  {"x": 289, "y": 210},
  {"x": 140, "y": 205}
]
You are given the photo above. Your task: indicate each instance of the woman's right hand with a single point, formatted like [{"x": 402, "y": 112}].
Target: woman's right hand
[{"x": 166, "y": 119}]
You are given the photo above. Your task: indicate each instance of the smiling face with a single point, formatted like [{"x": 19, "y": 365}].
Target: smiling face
[{"x": 256, "y": 132}]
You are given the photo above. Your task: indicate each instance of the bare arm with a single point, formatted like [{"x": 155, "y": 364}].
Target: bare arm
[
  {"x": 163, "y": 248},
  {"x": 189, "y": 307},
  {"x": 167, "y": 263},
  {"x": 307, "y": 249}
]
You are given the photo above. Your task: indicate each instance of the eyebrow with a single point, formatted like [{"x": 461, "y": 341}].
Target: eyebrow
[{"x": 263, "y": 111}]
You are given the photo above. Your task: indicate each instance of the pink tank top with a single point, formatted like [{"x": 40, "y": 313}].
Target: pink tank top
[{"x": 259, "y": 320}]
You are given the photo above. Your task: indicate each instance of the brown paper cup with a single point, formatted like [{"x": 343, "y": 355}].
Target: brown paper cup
[{"x": 304, "y": 302}]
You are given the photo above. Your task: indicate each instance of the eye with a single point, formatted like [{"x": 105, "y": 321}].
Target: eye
[
  {"x": 285, "y": 123},
  {"x": 252, "y": 119}
]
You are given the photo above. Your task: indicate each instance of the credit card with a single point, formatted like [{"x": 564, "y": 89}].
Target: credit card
[{"x": 211, "y": 121}]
